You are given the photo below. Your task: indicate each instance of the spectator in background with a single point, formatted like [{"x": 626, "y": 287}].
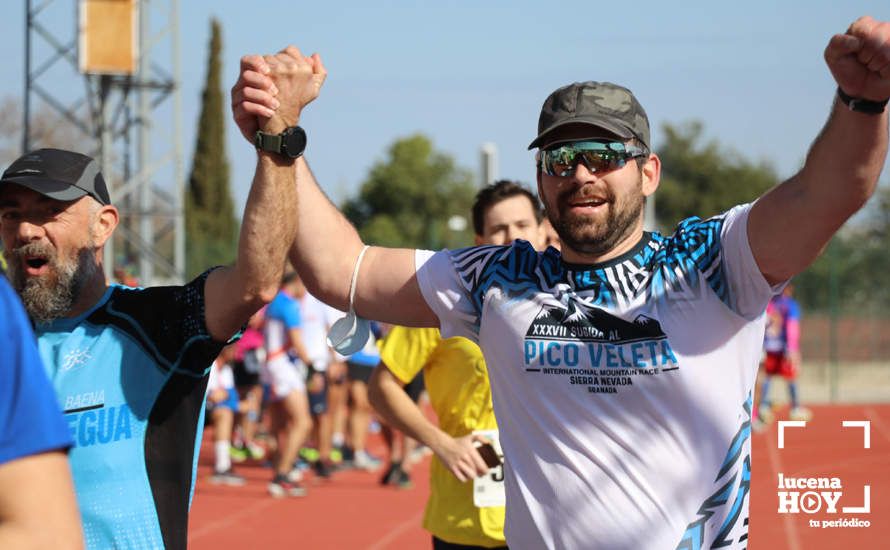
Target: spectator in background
[
  {"x": 246, "y": 364},
  {"x": 35, "y": 479},
  {"x": 402, "y": 447},
  {"x": 781, "y": 346},
  {"x": 315, "y": 321},
  {"x": 222, "y": 406},
  {"x": 338, "y": 403},
  {"x": 359, "y": 367},
  {"x": 124, "y": 277},
  {"x": 284, "y": 372}
]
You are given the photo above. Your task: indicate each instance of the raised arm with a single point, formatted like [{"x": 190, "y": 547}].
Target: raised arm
[
  {"x": 325, "y": 245},
  {"x": 233, "y": 294},
  {"x": 792, "y": 223},
  {"x": 325, "y": 250}
]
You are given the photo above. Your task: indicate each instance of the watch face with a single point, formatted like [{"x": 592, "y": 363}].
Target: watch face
[{"x": 294, "y": 142}]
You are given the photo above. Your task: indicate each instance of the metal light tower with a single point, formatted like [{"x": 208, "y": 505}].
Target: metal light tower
[{"x": 111, "y": 69}]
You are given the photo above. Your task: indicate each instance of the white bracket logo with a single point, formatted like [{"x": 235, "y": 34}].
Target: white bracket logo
[{"x": 866, "y": 444}]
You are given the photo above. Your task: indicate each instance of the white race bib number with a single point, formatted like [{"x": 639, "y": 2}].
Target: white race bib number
[{"x": 488, "y": 490}]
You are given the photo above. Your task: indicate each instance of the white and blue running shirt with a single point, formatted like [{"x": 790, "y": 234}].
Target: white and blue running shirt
[{"x": 623, "y": 389}]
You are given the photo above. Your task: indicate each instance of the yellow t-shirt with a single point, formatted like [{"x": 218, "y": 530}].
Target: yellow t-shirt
[{"x": 456, "y": 380}]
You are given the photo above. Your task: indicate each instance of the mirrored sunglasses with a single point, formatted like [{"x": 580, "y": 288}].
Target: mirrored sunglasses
[{"x": 597, "y": 156}]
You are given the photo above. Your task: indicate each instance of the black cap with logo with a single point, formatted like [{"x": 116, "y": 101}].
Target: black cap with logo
[
  {"x": 601, "y": 104},
  {"x": 58, "y": 174}
]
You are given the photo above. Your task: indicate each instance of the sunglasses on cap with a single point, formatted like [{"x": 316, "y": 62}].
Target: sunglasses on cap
[{"x": 597, "y": 156}]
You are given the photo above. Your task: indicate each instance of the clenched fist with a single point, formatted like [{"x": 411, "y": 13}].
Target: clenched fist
[{"x": 859, "y": 59}]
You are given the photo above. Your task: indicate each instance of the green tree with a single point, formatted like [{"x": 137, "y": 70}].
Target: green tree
[
  {"x": 211, "y": 227},
  {"x": 873, "y": 261},
  {"x": 407, "y": 199},
  {"x": 704, "y": 179},
  {"x": 859, "y": 261}
]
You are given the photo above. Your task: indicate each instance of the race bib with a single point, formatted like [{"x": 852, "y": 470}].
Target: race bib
[{"x": 488, "y": 490}]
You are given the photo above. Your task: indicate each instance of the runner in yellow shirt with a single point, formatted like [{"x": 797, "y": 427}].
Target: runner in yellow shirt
[{"x": 457, "y": 381}]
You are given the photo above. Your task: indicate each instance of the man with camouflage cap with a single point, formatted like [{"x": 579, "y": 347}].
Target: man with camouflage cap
[{"x": 622, "y": 369}]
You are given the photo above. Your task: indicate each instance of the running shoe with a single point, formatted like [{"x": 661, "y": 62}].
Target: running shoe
[
  {"x": 295, "y": 475},
  {"x": 403, "y": 480},
  {"x": 389, "y": 475},
  {"x": 765, "y": 414},
  {"x": 347, "y": 455},
  {"x": 801, "y": 413},
  {"x": 281, "y": 487},
  {"x": 256, "y": 452},
  {"x": 228, "y": 477},
  {"x": 321, "y": 469},
  {"x": 364, "y": 461},
  {"x": 336, "y": 455},
  {"x": 397, "y": 477},
  {"x": 238, "y": 454},
  {"x": 309, "y": 454},
  {"x": 419, "y": 453}
]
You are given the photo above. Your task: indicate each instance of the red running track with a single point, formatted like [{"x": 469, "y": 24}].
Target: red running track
[{"x": 353, "y": 512}]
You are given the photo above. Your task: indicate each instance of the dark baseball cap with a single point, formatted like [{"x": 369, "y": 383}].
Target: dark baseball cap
[
  {"x": 600, "y": 104},
  {"x": 58, "y": 174}
]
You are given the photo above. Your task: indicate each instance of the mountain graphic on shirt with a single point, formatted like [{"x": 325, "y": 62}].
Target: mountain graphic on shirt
[{"x": 576, "y": 321}]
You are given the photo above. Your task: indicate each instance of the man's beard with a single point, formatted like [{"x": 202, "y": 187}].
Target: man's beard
[
  {"x": 50, "y": 296},
  {"x": 598, "y": 237}
]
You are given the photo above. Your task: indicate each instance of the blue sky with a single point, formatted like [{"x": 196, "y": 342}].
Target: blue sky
[{"x": 465, "y": 73}]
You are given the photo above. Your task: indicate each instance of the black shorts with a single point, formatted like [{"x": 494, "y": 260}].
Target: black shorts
[
  {"x": 318, "y": 401},
  {"x": 246, "y": 370},
  {"x": 415, "y": 387},
  {"x": 361, "y": 373},
  {"x": 439, "y": 544}
]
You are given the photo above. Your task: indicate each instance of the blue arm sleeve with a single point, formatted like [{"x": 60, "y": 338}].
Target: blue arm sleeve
[{"x": 30, "y": 419}]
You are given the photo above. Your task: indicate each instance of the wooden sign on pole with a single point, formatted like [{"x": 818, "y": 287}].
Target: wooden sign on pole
[{"x": 108, "y": 36}]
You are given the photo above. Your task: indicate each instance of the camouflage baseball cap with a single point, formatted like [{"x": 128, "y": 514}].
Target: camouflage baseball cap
[{"x": 601, "y": 104}]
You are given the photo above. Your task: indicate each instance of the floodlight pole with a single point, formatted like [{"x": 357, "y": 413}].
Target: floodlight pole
[
  {"x": 26, "y": 123},
  {"x": 105, "y": 147}
]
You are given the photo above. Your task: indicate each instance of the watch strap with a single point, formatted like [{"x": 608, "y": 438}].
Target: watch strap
[
  {"x": 268, "y": 142},
  {"x": 862, "y": 105}
]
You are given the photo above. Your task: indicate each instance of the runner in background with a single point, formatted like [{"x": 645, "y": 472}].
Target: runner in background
[
  {"x": 316, "y": 320},
  {"x": 222, "y": 406},
  {"x": 246, "y": 365},
  {"x": 359, "y": 367},
  {"x": 781, "y": 346},
  {"x": 284, "y": 373},
  {"x": 402, "y": 447}
]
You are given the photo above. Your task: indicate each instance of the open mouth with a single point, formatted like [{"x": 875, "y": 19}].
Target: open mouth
[
  {"x": 591, "y": 202},
  {"x": 35, "y": 265}
]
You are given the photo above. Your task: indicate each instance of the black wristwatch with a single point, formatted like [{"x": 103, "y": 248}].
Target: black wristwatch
[
  {"x": 861, "y": 105},
  {"x": 290, "y": 143}
]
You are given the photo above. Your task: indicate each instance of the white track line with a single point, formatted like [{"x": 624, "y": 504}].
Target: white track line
[
  {"x": 790, "y": 528},
  {"x": 410, "y": 523},
  {"x": 230, "y": 519},
  {"x": 877, "y": 422}
]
